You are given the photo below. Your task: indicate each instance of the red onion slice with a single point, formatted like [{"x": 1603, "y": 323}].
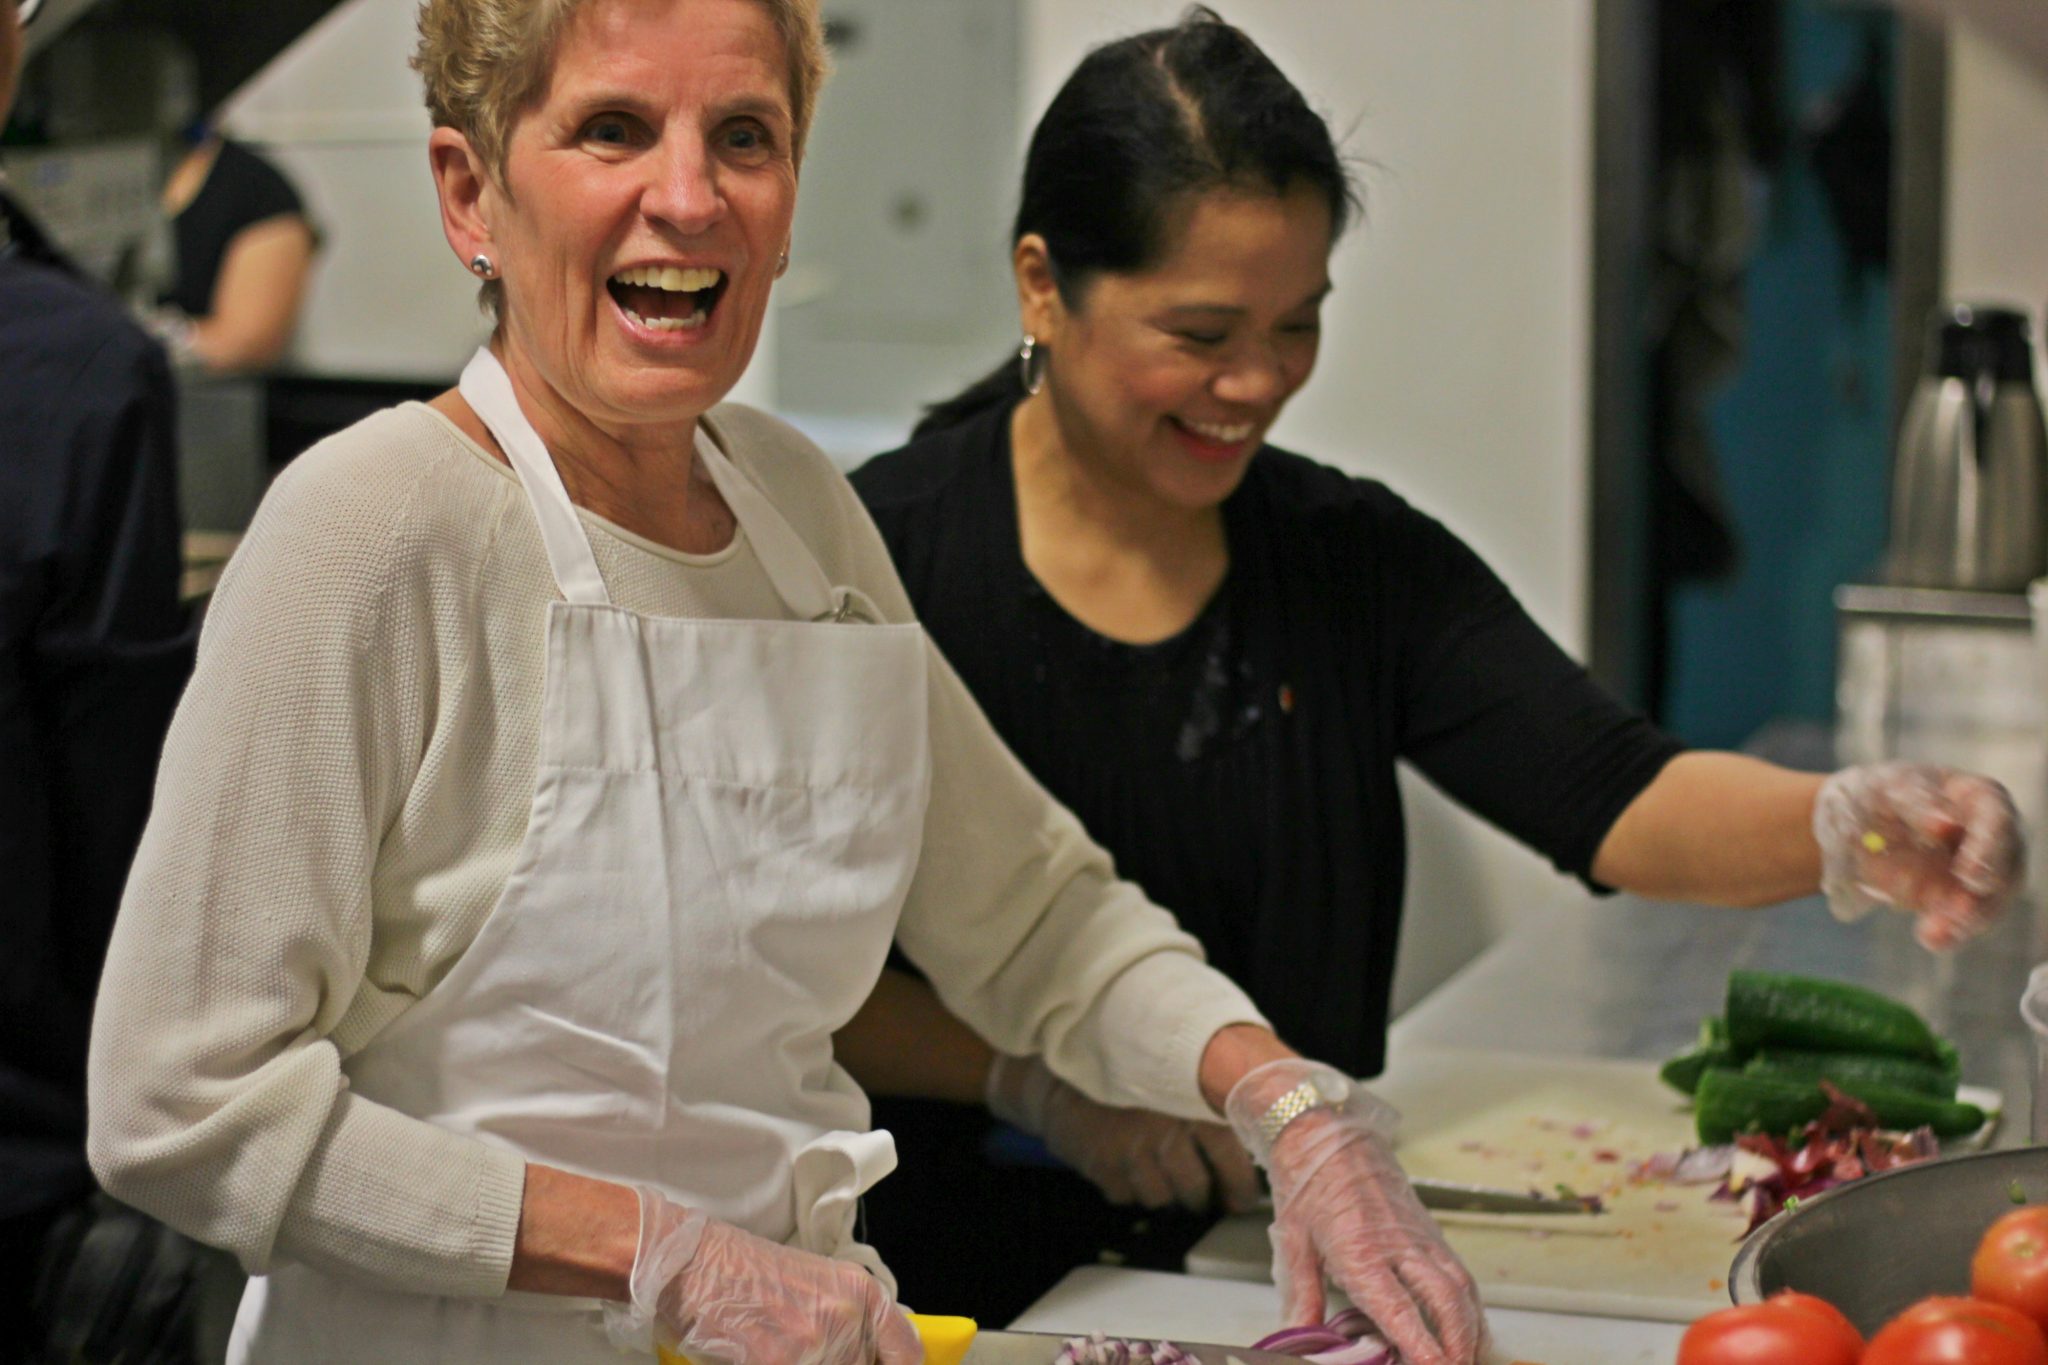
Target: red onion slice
[
  {"x": 1350, "y": 1324},
  {"x": 1302, "y": 1341},
  {"x": 1365, "y": 1351}
]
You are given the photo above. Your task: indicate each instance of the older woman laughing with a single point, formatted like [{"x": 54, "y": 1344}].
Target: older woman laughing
[{"x": 562, "y": 758}]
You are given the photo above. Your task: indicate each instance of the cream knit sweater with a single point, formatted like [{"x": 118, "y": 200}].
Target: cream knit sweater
[{"x": 343, "y": 792}]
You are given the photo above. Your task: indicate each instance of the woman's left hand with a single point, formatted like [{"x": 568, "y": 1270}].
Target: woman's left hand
[
  {"x": 1134, "y": 1156},
  {"x": 1944, "y": 844}
]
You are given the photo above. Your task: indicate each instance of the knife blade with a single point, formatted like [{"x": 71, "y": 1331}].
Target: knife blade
[
  {"x": 1451, "y": 1194},
  {"x": 1458, "y": 1197},
  {"x": 1042, "y": 1348}
]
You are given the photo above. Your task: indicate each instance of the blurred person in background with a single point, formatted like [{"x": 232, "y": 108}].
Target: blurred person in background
[
  {"x": 1214, "y": 651},
  {"x": 94, "y": 647},
  {"x": 243, "y": 250}
]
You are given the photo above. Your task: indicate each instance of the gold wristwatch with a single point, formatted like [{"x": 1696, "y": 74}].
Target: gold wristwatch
[{"x": 1327, "y": 1090}]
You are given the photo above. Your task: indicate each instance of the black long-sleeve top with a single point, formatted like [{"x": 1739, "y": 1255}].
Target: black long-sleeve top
[
  {"x": 1242, "y": 772},
  {"x": 94, "y": 648}
]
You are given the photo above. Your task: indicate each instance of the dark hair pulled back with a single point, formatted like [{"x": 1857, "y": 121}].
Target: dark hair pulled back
[{"x": 1141, "y": 126}]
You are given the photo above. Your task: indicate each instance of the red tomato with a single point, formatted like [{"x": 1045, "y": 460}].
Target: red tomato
[
  {"x": 1822, "y": 1309},
  {"x": 1944, "y": 1331},
  {"x": 1776, "y": 1332},
  {"x": 2011, "y": 1264}
]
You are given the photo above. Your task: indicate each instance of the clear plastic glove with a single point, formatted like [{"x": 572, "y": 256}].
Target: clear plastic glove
[
  {"x": 1343, "y": 1208},
  {"x": 1134, "y": 1156},
  {"x": 1944, "y": 844},
  {"x": 715, "y": 1293},
  {"x": 174, "y": 331}
]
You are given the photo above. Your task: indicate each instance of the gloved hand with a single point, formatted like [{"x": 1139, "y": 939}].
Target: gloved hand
[
  {"x": 1134, "y": 1156},
  {"x": 1342, "y": 1207},
  {"x": 171, "y": 327},
  {"x": 1944, "y": 844},
  {"x": 716, "y": 1293}
]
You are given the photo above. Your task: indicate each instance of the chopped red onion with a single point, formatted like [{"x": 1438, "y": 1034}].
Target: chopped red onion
[{"x": 1099, "y": 1349}]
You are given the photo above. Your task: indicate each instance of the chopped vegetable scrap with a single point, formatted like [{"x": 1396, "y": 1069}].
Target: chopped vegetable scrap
[
  {"x": 1764, "y": 1173},
  {"x": 1097, "y": 1349}
]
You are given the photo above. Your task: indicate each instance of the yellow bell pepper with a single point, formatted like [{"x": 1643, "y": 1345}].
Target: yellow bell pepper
[{"x": 945, "y": 1340}]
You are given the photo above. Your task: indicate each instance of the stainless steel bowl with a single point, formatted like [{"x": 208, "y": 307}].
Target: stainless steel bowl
[{"x": 1875, "y": 1245}]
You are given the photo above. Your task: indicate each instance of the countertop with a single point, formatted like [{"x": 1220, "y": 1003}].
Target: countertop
[
  {"x": 1624, "y": 977},
  {"x": 1146, "y": 1303}
]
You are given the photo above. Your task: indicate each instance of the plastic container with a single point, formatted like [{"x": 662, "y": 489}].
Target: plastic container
[{"x": 2034, "y": 1009}]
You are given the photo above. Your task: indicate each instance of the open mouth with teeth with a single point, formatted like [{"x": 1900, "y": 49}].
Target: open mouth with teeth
[
  {"x": 1218, "y": 433},
  {"x": 667, "y": 298},
  {"x": 1213, "y": 440}
]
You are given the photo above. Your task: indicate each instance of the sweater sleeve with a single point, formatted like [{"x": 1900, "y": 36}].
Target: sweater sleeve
[
  {"x": 216, "y": 1095},
  {"x": 1017, "y": 917},
  {"x": 1020, "y": 923}
]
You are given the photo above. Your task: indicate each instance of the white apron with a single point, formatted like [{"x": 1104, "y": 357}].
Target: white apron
[{"x": 726, "y": 816}]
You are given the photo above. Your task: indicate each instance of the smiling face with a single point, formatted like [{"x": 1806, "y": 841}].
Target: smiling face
[
  {"x": 1163, "y": 382},
  {"x": 645, "y": 202}
]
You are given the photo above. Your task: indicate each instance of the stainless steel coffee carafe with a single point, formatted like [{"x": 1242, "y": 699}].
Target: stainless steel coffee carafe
[{"x": 1970, "y": 482}]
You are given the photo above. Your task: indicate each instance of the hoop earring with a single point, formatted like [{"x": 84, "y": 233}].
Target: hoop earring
[
  {"x": 482, "y": 266},
  {"x": 1031, "y": 364}
]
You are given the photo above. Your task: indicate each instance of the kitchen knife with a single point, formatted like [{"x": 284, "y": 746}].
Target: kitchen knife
[
  {"x": 1457, "y": 1197},
  {"x": 1042, "y": 1348},
  {"x": 1450, "y": 1194}
]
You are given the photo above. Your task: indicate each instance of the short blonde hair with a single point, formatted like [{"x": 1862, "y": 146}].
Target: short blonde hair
[{"x": 485, "y": 62}]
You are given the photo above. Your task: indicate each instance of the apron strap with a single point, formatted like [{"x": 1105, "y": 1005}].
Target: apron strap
[
  {"x": 792, "y": 569},
  {"x": 488, "y": 391}
]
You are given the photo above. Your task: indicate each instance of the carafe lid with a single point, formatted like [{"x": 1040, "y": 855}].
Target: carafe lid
[{"x": 1971, "y": 339}]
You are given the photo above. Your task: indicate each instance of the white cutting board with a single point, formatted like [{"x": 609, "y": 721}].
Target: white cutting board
[
  {"x": 1496, "y": 1118},
  {"x": 1146, "y": 1303}
]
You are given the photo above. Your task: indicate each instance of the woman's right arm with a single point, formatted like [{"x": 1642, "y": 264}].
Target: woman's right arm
[
  {"x": 216, "y": 1095},
  {"x": 256, "y": 298},
  {"x": 904, "y": 1042},
  {"x": 577, "y": 1235}
]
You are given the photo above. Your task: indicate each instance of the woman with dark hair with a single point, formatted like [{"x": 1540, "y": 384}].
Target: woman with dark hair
[{"x": 1214, "y": 651}]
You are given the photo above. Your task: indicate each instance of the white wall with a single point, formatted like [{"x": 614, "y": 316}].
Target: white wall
[
  {"x": 340, "y": 113},
  {"x": 1997, "y": 193},
  {"x": 1455, "y": 352}
]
